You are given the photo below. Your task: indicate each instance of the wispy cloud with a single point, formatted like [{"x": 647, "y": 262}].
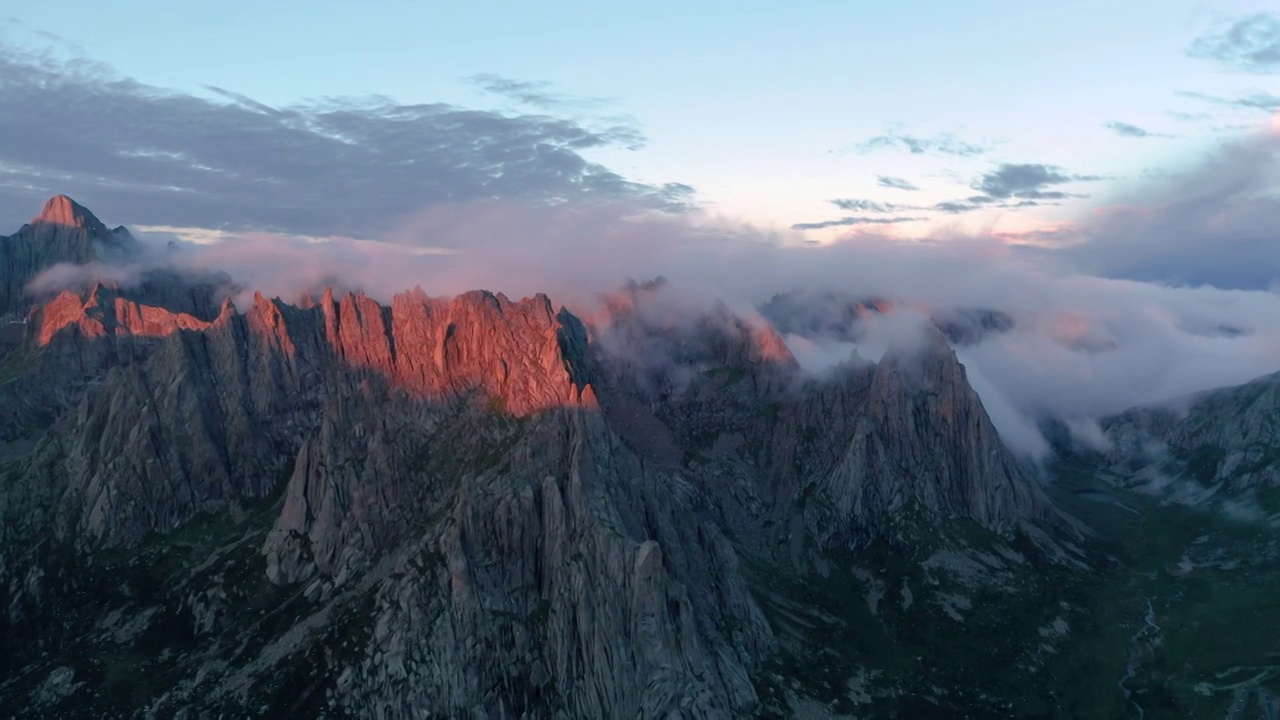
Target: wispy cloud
[
  {"x": 526, "y": 92},
  {"x": 944, "y": 144},
  {"x": 1250, "y": 43},
  {"x": 1189, "y": 116},
  {"x": 543, "y": 96},
  {"x": 979, "y": 202},
  {"x": 956, "y": 207},
  {"x": 869, "y": 205},
  {"x": 1008, "y": 187},
  {"x": 1260, "y": 101},
  {"x": 982, "y": 201},
  {"x": 49, "y": 37},
  {"x": 331, "y": 167},
  {"x": 859, "y": 220},
  {"x": 195, "y": 235},
  {"x": 1127, "y": 130},
  {"x": 895, "y": 183}
]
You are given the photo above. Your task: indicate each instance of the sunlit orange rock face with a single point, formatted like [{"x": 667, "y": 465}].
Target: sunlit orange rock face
[
  {"x": 63, "y": 311},
  {"x": 62, "y": 210},
  {"x": 767, "y": 345},
  {"x": 520, "y": 355},
  {"x": 103, "y": 312},
  {"x": 515, "y": 352}
]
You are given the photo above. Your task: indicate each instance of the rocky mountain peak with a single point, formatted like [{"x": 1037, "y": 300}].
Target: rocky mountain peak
[
  {"x": 62, "y": 210},
  {"x": 63, "y": 232},
  {"x": 925, "y": 414}
]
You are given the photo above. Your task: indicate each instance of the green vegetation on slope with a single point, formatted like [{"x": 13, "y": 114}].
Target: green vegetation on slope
[{"x": 1178, "y": 605}]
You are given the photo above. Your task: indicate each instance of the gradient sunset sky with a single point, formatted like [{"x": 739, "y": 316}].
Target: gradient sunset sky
[{"x": 908, "y": 118}]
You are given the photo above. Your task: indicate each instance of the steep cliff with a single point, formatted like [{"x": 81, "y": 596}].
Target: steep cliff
[{"x": 921, "y": 436}]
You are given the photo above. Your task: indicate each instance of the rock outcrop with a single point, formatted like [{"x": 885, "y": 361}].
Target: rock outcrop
[{"x": 1229, "y": 436}]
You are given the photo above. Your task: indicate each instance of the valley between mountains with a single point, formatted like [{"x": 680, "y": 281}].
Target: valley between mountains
[{"x": 480, "y": 507}]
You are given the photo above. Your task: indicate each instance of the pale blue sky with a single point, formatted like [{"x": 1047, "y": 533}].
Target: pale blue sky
[{"x": 760, "y": 106}]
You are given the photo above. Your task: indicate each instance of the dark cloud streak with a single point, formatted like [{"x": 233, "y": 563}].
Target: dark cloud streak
[
  {"x": 533, "y": 93},
  {"x": 979, "y": 202},
  {"x": 1127, "y": 130},
  {"x": 1026, "y": 181},
  {"x": 336, "y": 166},
  {"x": 944, "y": 144},
  {"x": 859, "y": 220},
  {"x": 869, "y": 205},
  {"x": 895, "y": 183},
  {"x": 1010, "y": 186},
  {"x": 1260, "y": 101},
  {"x": 1013, "y": 186}
]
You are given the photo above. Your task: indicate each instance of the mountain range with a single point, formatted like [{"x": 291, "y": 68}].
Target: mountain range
[{"x": 480, "y": 507}]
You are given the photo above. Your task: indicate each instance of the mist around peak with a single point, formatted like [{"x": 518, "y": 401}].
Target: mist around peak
[{"x": 1040, "y": 337}]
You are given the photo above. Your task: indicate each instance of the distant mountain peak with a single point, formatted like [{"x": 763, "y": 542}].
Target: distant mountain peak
[
  {"x": 64, "y": 232},
  {"x": 62, "y": 210}
]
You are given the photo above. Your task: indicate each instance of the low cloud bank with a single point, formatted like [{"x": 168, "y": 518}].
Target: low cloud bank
[{"x": 1079, "y": 347}]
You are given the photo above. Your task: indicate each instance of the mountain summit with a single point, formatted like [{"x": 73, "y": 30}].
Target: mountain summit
[
  {"x": 64, "y": 232},
  {"x": 62, "y": 210}
]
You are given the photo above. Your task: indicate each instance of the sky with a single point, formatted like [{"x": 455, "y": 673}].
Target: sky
[
  {"x": 768, "y": 113},
  {"x": 1106, "y": 175}
]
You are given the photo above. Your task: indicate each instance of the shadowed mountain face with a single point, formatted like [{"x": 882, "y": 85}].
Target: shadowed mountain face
[
  {"x": 468, "y": 506},
  {"x": 1227, "y": 438}
]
